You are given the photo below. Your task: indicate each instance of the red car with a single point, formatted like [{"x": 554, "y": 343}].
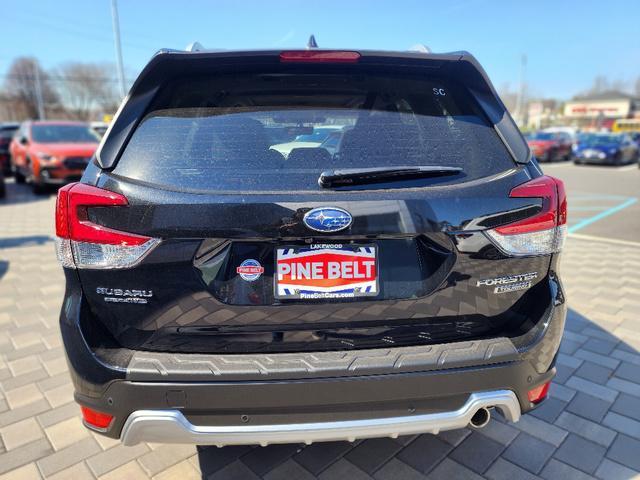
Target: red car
[
  {"x": 550, "y": 146},
  {"x": 51, "y": 152}
]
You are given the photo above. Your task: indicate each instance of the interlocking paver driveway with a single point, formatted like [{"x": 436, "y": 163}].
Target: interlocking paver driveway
[{"x": 589, "y": 427}]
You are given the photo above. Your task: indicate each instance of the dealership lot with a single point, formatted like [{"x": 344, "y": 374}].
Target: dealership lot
[
  {"x": 604, "y": 201},
  {"x": 590, "y": 427}
]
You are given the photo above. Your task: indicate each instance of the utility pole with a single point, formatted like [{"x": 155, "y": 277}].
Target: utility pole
[
  {"x": 520, "y": 115},
  {"x": 38, "y": 85},
  {"x": 116, "y": 38}
]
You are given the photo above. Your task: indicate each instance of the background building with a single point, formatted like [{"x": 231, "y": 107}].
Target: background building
[
  {"x": 542, "y": 113},
  {"x": 600, "y": 110}
]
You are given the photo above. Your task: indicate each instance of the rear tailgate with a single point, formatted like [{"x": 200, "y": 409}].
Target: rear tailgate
[{"x": 240, "y": 264}]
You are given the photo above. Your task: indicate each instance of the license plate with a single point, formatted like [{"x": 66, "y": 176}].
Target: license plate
[{"x": 314, "y": 272}]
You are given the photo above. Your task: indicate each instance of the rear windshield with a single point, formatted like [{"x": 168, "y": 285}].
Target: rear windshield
[{"x": 281, "y": 131}]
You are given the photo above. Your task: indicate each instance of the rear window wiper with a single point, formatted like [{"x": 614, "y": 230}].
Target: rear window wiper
[{"x": 361, "y": 176}]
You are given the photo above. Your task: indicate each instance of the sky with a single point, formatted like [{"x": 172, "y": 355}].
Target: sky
[{"x": 567, "y": 42}]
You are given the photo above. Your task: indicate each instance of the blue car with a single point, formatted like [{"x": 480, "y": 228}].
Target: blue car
[{"x": 605, "y": 149}]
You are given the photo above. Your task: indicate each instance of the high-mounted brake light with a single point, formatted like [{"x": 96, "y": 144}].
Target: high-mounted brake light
[
  {"x": 543, "y": 233},
  {"x": 95, "y": 419},
  {"x": 81, "y": 243},
  {"x": 319, "y": 56}
]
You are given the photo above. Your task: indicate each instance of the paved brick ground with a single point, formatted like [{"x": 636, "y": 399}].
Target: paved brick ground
[{"x": 590, "y": 427}]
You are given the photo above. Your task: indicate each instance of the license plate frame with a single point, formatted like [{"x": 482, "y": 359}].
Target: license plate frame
[{"x": 360, "y": 281}]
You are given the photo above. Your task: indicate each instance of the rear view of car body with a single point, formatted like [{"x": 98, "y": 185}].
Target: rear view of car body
[{"x": 220, "y": 293}]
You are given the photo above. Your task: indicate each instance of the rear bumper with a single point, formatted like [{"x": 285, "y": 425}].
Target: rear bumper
[
  {"x": 172, "y": 426},
  {"x": 608, "y": 160},
  {"x": 307, "y": 397}
]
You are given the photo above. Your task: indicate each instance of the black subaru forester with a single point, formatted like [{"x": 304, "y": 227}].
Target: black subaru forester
[{"x": 301, "y": 246}]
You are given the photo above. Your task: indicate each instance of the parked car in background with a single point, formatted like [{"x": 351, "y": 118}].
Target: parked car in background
[
  {"x": 334, "y": 141},
  {"x": 572, "y": 132},
  {"x": 626, "y": 125},
  {"x": 314, "y": 139},
  {"x": 550, "y": 146},
  {"x": 100, "y": 128},
  {"x": 7, "y": 130},
  {"x": 218, "y": 293},
  {"x": 51, "y": 152},
  {"x": 605, "y": 149}
]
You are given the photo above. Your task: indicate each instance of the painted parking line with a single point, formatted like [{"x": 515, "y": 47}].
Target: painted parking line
[
  {"x": 588, "y": 209},
  {"x": 595, "y": 218},
  {"x": 583, "y": 206},
  {"x": 595, "y": 196},
  {"x": 614, "y": 241}
]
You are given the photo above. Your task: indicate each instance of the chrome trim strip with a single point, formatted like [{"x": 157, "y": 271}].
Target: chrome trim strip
[{"x": 171, "y": 426}]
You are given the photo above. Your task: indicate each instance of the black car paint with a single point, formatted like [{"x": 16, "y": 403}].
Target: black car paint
[
  {"x": 250, "y": 222},
  {"x": 450, "y": 217}
]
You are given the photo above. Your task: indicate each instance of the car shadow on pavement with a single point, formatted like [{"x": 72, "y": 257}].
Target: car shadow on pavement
[
  {"x": 29, "y": 241},
  {"x": 4, "y": 267},
  {"x": 23, "y": 193},
  {"x": 589, "y": 426}
]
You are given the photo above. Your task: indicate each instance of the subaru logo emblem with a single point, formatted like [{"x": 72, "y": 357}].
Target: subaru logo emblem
[{"x": 327, "y": 219}]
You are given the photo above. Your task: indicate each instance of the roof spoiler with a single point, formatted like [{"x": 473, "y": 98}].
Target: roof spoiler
[{"x": 168, "y": 64}]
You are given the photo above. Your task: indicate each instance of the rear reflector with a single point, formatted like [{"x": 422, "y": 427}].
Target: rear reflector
[
  {"x": 319, "y": 56},
  {"x": 96, "y": 419},
  {"x": 543, "y": 233},
  {"x": 81, "y": 243},
  {"x": 538, "y": 394}
]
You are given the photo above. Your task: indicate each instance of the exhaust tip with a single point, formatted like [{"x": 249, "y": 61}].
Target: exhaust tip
[{"x": 480, "y": 418}]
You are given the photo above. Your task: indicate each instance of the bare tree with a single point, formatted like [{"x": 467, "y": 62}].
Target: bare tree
[
  {"x": 603, "y": 84},
  {"x": 87, "y": 89},
  {"x": 600, "y": 84},
  {"x": 22, "y": 86}
]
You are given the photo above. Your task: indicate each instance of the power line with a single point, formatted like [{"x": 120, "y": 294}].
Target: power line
[
  {"x": 82, "y": 23},
  {"x": 75, "y": 32}
]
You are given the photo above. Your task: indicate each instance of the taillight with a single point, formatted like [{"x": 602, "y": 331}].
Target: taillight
[
  {"x": 81, "y": 243},
  {"x": 95, "y": 419},
  {"x": 319, "y": 56},
  {"x": 543, "y": 233}
]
